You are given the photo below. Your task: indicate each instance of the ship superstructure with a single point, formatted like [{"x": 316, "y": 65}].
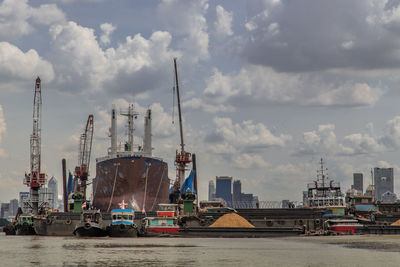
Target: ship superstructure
[
  {"x": 324, "y": 192},
  {"x": 129, "y": 172}
]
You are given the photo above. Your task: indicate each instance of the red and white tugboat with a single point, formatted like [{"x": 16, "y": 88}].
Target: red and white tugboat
[{"x": 166, "y": 221}]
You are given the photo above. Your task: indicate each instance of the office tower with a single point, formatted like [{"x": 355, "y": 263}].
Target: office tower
[
  {"x": 384, "y": 182},
  {"x": 358, "y": 182},
  {"x": 224, "y": 189}
]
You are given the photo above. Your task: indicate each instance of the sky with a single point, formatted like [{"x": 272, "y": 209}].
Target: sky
[{"x": 268, "y": 87}]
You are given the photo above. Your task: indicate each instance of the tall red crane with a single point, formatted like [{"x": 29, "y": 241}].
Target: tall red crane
[
  {"x": 183, "y": 157},
  {"x": 35, "y": 179},
  {"x": 85, "y": 148}
]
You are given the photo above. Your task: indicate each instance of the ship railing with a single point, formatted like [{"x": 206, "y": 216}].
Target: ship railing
[{"x": 127, "y": 154}]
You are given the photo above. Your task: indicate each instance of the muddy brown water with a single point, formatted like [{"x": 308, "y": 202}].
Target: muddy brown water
[{"x": 290, "y": 251}]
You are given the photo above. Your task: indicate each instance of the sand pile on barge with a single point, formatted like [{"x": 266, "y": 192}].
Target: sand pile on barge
[
  {"x": 396, "y": 222},
  {"x": 232, "y": 220}
]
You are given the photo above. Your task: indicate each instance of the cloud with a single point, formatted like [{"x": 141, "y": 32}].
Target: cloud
[
  {"x": 17, "y": 16},
  {"x": 289, "y": 38},
  {"x": 135, "y": 66},
  {"x": 107, "y": 29},
  {"x": 247, "y": 137},
  {"x": 186, "y": 19},
  {"x": 323, "y": 141},
  {"x": 257, "y": 84},
  {"x": 223, "y": 22},
  {"x": 16, "y": 65},
  {"x": 316, "y": 142},
  {"x": 249, "y": 161},
  {"x": 3, "y": 129}
]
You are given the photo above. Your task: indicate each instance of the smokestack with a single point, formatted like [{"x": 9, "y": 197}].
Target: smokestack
[
  {"x": 113, "y": 132},
  {"x": 64, "y": 175},
  {"x": 147, "y": 149}
]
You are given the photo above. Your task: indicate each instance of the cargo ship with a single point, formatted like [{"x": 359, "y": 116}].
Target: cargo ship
[
  {"x": 325, "y": 193},
  {"x": 130, "y": 172}
]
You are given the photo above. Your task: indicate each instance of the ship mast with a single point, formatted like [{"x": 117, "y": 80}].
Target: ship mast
[{"x": 131, "y": 114}]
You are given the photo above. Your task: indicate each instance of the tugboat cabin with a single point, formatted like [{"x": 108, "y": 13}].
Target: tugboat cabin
[
  {"x": 167, "y": 210},
  {"x": 125, "y": 216}
]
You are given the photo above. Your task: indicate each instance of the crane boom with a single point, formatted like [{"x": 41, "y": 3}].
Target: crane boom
[
  {"x": 85, "y": 148},
  {"x": 35, "y": 179}
]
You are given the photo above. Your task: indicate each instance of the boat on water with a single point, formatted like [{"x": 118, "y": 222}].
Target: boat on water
[
  {"x": 56, "y": 223},
  {"x": 91, "y": 224},
  {"x": 24, "y": 224},
  {"x": 166, "y": 221},
  {"x": 130, "y": 172},
  {"x": 122, "y": 224},
  {"x": 343, "y": 226},
  {"x": 324, "y": 193}
]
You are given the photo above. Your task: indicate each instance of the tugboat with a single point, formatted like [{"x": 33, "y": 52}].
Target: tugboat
[
  {"x": 24, "y": 225},
  {"x": 90, "y": 225},
  {"x": 166, "y": 221},
  {"x": 122, "y": 224},
  {"x": 325, "y": 194}
]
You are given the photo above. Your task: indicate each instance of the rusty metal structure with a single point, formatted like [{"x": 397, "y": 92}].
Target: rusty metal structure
[
  {"x": 35, "y": 179},
  {"x": 85, "y": 148}
]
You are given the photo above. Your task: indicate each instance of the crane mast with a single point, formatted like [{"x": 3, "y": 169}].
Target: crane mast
[
  {"x": 35, "y": 179},
  {"x": 182, "y": 158},
  {"x": 85, "y": 148}
]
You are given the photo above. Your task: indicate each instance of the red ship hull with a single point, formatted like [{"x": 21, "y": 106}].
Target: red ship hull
[{"x": 140, "y": 181}]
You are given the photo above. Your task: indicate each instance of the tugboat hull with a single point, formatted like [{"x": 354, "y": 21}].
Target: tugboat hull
[
  {"x": 89, "y": 230},
  {"x": 122, "y": 230},
  {"x": 24, "y": 229}
]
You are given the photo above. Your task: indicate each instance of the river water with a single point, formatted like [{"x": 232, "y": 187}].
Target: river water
[{"x": 290, "y": 251}]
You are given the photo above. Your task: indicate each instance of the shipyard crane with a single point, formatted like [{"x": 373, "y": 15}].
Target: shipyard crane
[
  {"x": 182, "y": 158},
  {"x": 85, "y": 147},
  {"x": 35, "y": 179}
]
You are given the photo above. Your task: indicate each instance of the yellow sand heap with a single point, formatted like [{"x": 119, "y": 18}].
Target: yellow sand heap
[
  {"x": 231, "y": 220},
  {"x": 396, "y": 222}
]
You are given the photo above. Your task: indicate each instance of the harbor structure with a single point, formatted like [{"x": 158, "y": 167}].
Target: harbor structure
[
  {"x": 211, "y": 190},
  {"x": 224, "y": 189},
  {"x": 358, "y": 182},
  {"x": 383, "y": 182}
]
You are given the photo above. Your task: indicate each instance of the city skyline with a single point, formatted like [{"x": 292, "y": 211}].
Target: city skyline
[{"x": 267, "y": 89}]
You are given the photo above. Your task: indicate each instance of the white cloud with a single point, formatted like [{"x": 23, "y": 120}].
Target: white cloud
[
  {"x": 15, "y": 16},
  {"x": 247, "y": 137},
  {"x": 186, "y": 19},
  {"x": 107, "y": 29},
  {"x": 16, "y": 65},
  {"x": 135, "y": 66},
  {"x": 258, "y": 84},
  {"x": 249, "y": 161},
  {"x": 223, "y": 22},
  {"x": 320, "y": 141}
]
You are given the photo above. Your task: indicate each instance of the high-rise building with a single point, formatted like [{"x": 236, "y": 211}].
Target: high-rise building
[
  {"x": 237, "y": 193},
  {"x": 358, "y": 182},
  {"x": 4, "y": 210},
  {"x": 211, "y": 190},
  {"x": 224, "y": 189},
  {"x": 52, "y": 192},
  {"x": 384, "y": 182},
  {"x": 13, "y": 207}
]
